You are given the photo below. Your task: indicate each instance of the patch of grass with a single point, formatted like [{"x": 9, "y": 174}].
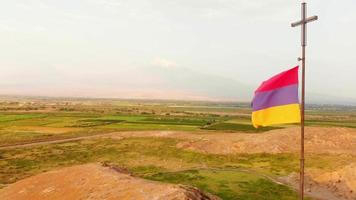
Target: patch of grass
[
  {"x": 331, "y": 123},
  {"x": 229, "y": 184},
  {"x": 228, "y": 176},
  {"x": 96, "y": 122},
  {"x": 147, "y": 170},
  {"x": 177, "y": 121},
  {"x": 224, "y": 126},
  {"x": 328, "y": 162},
  {"x": 13, "y": 126},
  {"x": 12, "y": 137},
  {"x": 131, "y": 153},
  {"x": 15, "y": 117},
  {"x": 15, "y": 136},
  {"x": 127, "y": 118},
  {"x": 148, "y": 126}
]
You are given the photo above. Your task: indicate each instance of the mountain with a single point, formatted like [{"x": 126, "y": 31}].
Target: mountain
[{"x": 202, "y": 84}]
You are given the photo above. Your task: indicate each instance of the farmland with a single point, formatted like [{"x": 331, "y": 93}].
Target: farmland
[{"x": 162, "y": 141}]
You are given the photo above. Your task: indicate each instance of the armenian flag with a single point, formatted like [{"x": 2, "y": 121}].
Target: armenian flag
[{"x": 276, "y": 100}]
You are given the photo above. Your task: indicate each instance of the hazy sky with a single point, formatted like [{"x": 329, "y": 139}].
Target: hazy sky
[{"x": 117, "y": 48}]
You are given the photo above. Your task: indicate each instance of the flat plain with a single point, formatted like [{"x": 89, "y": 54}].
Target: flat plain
[{"x": 208, "y": 145}]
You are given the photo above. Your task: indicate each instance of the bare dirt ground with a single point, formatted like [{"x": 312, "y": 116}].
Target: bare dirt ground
[
  {"x": 317, "y": 140},
  {"x": 93, "y": 181},
  {"x": 339, "y": 184},
  {"x": 341, "y": 181},
  {"x": 54, "y": 141},
  {"x": 336, "y": 184},
  {"x": 42, "y": 129}
]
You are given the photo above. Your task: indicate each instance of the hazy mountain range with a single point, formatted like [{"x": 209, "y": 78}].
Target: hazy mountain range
[{"x": 152, "y": 82}]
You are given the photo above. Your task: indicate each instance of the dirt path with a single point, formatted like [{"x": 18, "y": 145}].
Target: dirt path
[
  {"x": 55, "y": 141},
  {"x": 318, "y": 140}
]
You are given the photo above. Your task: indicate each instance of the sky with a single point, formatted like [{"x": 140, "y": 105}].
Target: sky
[{"x": 176, "y": 49}]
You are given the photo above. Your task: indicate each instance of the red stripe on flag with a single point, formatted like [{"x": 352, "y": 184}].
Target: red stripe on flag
[{"x": 285, "y": 78}]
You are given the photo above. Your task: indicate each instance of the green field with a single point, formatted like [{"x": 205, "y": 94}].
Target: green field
[
  {"x": 25, "y": 121},
  {"x": 240, "y": 176},
  {"x": 232, "y": 176}
]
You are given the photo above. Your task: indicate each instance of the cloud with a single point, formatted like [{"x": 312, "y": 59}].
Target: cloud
[
  {"x": 5, "y": 27},
  {"x": 214, "y": 13},
  {"x": 109, "y": 3},
  {"x": 164, "y": 63}
]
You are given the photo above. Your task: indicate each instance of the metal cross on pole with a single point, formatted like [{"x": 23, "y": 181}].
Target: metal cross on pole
[{"x": 303, "y": 23}]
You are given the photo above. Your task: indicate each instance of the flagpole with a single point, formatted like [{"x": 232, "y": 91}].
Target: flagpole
[
  {"x": 301, "y": 184},
  {"x": 303, "y": 23}
]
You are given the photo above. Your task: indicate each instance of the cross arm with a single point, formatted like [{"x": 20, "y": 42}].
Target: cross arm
[{"x": 307, "y": 20}]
